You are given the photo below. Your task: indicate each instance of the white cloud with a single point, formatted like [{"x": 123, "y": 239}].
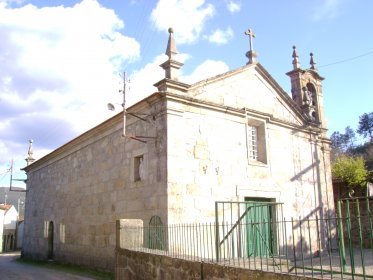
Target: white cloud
[
  {"x": 59, "y": 69},
  {"x": 233, "y": 7},
  {"x": 221, "y": 37},
  {"x": 186, "y": 17},
  {"x": 58, "y": 65},
  {"x": 207, "y": 69},
  {"x": 17, "y": 2},
  {"x": 328, "y": 9},
  {"x": 151, "y": 73}
]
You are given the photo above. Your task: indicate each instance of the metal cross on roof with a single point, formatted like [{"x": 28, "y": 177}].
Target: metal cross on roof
[{"x": 251, "y": 36}]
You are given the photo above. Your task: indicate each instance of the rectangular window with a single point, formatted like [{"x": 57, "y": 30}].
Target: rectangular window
[
  {"x": 253, "y": 142},
  {"x": 138, "y": 168},
  {"x": 256, "y": 141}
]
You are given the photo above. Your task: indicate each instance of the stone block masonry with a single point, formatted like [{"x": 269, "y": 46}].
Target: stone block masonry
[{"x": 132, "y": 265}]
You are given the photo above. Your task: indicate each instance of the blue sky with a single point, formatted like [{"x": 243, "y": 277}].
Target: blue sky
[{"x": 60, "y": 60}]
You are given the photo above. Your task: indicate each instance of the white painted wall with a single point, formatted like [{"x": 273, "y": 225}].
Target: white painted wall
[
  {"x": 10, "y": 218},
  {"x": 2, "y": 212}
]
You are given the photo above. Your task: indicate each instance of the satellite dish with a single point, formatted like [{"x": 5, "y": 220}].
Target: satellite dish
[{"x": 110, "y": 107}]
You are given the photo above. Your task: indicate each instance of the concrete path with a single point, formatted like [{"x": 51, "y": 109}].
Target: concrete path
[{"x": 11, "y": 269}]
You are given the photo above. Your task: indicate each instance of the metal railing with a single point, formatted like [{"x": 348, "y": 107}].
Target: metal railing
[{"x": 329, "y": 248}]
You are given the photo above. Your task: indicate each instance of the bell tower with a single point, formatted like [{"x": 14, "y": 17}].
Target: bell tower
[{"x": 306, "y": 90}]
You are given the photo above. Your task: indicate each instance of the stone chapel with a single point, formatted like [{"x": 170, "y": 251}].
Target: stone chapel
[{"x": 233, "y": 137}]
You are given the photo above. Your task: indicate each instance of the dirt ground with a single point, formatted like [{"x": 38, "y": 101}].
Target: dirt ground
[{"x": 11, "y": 269}]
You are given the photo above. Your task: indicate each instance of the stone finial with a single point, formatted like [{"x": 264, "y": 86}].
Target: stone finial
[
  {"x": 251, "y": 54},
  {"x": 171, "y": 46},
  {"x": 30, "y": 159},
  {"x": 171, "y": 66},
  {"x": 312, "y": 62},
  {"x": 296, "y": 63}
]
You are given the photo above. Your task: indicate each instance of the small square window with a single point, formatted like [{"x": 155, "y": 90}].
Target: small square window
[{"x": 138, "y": 168}]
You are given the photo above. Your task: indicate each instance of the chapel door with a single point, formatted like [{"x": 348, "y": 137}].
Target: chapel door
[
  {"x": 259, "y": 235},
  {"x": 156, "y": 233}
]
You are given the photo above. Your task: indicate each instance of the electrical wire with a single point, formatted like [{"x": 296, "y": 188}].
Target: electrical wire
[
  {"x": 346, "y": 60},
  {"x": 4, "y": 174},
  {"x": 6, "y": 171}
]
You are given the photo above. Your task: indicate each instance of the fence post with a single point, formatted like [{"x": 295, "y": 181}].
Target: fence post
[
  {"x": 310, "y": 242},
  {"x": 301, "y": 243},
  {"x": 216, "y": 231},
  {"x": 319, "y": 245},
  {"x": 370, "y": 225},
  {"x": 294, "y": 253},
  {"x": 360, "y": 235},
  {"x": 341, "y": 247},
  {"x": 352, "y": 260}
]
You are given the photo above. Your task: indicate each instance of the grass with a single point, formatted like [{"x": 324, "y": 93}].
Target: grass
[{"x": 69, "y": 268}]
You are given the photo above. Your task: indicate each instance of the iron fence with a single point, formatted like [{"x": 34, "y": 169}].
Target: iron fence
[{"x": 338, "y": 246}]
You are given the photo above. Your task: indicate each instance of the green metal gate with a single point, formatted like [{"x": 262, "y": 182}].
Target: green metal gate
[
  {"x": 259, "y": 227},
  {"x": 248, "y": 228}
]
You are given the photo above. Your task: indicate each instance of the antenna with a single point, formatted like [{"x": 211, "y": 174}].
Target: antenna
[{"x": 111, "y": 107}]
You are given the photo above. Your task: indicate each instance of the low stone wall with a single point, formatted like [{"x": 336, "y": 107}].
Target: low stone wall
[{"x": 132, "y": 265}]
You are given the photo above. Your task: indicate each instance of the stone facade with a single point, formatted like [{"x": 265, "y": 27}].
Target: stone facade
[
  {"x": 198, "y": 151},
  {"x": 86, "y": 185},
  {"x": 208, "y": 149}
]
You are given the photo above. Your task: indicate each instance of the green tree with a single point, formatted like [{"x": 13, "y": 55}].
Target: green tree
[
  {"x": 366, "y": 125},
  {"x": 366, "y": 151},
  {"x": 350, "y": 170},
  {"x": 342, "y": 142},
  {"x": 349, "y": 137}
]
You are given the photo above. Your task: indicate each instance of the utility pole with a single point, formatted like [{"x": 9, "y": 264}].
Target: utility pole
[
  {"x": 11, "y": 175},
  {"x": 124, "y": 104}
]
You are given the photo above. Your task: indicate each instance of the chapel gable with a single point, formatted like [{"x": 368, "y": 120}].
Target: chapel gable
[{"x": 252, "y": 88}]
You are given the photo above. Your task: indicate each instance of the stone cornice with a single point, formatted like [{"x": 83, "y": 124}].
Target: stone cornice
[
  {"x": 306, "y": 128},
  {"x": 167, "y": 84},
  {"x": 268, "y": 78},
  {"x": 282, "y": 93},
  {"x": 202, "y": 103},
  {"x": 221, "y": 76}
]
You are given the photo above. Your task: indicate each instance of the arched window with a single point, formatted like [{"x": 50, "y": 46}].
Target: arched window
[
  {"x": 313, "y": 112},
  {"x": 311, "y": 88}
]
